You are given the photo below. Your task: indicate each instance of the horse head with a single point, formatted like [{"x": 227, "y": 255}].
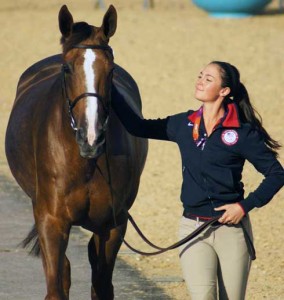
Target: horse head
[{"x": 87, "y": 74}]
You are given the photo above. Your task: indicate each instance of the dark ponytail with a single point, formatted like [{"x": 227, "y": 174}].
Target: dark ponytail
[{"x": 239, "y": 95}]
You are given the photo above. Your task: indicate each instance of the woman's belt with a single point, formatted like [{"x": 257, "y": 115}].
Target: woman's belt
[{"x": 250, "y": 246}]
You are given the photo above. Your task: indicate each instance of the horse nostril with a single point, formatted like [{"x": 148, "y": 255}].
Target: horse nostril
[{"x": 81, "y": 135}]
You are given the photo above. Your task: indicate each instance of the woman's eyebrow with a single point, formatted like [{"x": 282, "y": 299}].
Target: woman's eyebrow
[{"x": 201, "y": 73}]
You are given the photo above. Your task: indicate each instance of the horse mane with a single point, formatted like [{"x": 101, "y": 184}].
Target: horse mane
[{"x": 80, "y": 31}]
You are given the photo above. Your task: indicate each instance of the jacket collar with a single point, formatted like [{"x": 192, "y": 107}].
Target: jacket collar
[{"x": 231, "y": 118}]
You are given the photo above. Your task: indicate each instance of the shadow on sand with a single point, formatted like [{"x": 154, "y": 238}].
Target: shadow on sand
[{"x": 21, "y": 275}]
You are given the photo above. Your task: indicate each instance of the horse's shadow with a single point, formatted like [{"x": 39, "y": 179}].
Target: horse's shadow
[
  {"x": 15, "y": 221},
  {"x": 128, "y": 282}
]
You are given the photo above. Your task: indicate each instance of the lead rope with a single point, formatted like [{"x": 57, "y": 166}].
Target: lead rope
[
  {"x": 160, "y": 249},
  {"x": 191, "y": 236}
]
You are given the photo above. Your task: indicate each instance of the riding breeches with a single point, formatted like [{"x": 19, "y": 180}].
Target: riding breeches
[{"x": 217, "y": 262}]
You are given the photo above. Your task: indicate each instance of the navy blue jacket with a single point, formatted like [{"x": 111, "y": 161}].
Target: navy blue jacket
[{"x": 212, "y": 171}]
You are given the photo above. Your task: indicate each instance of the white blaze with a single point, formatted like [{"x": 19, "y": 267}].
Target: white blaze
[{"x": 92, "y": 102}]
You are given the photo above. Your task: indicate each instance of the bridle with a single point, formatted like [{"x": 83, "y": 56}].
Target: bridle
[{"x": 72, "y": 103}]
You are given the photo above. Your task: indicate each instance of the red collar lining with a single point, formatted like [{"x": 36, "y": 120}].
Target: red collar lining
[{"x": 231, "y": 118}]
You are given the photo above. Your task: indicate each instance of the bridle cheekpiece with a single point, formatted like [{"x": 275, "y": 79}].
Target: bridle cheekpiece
[{"x": 72, "y": 103}]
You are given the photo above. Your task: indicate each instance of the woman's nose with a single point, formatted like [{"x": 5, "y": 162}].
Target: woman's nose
[{"x": 199, "y": 82}]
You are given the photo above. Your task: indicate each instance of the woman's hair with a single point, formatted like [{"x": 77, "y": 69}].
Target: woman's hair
[{"x": 231, "y": 78}]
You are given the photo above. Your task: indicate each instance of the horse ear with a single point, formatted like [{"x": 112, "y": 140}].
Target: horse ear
[
  {"x": 65, "y": 21},
  {"x": 109, "y": 22}
]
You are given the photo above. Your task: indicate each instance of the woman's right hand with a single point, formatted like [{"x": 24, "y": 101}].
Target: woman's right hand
[{"x": 232, "y": 215}]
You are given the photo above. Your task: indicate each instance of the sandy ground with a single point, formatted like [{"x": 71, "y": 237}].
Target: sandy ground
[{"x": 164, "y": 49}]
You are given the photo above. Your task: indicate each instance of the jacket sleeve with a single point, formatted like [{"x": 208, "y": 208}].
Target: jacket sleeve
[
  {"x": 264, "y": 160},
  {"x": 134, "y": 124}
]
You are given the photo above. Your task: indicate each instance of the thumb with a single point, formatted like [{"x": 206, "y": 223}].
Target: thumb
[{"x": 220, "y": 208}]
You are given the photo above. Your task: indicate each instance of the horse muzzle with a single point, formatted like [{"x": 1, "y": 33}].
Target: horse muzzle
[{"x": 90, "y": 151}]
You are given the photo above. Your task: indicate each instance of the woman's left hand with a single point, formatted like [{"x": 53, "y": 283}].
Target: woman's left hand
[{"x": 232, "y": 215}]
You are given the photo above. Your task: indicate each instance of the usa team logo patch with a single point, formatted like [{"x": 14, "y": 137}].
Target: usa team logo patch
[{"x": 229, "y": 137}]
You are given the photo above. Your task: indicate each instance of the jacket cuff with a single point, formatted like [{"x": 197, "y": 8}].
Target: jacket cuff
[
  {"x": 249, "y": 203},
  {"x": 241, "y": 206}
]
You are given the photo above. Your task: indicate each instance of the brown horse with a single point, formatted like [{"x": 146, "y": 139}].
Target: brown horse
[{"x": 71, "y": 155}]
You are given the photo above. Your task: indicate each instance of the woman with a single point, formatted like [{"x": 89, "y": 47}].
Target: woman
[{"x": 214, "y": 143}]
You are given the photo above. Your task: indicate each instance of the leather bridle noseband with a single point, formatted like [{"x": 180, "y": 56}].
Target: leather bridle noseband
[{"x": 72, "y": 103}]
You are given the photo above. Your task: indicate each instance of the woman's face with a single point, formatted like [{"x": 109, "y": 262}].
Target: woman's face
[{"x": 208, "y": 86}]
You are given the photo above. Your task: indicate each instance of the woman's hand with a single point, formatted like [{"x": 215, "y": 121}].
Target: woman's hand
[{"x": 232, "y": 215}]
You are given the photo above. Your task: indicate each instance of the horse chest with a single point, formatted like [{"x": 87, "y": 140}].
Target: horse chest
[{"x": 96, "y": 198}]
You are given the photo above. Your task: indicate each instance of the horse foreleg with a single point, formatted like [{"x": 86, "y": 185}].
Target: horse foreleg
[
  {"x": 93, "y": 259},
  {"x": 53, "y": 239},
  {"x": 103, "y": 249},
  {"x": 66, "y": 277}
]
